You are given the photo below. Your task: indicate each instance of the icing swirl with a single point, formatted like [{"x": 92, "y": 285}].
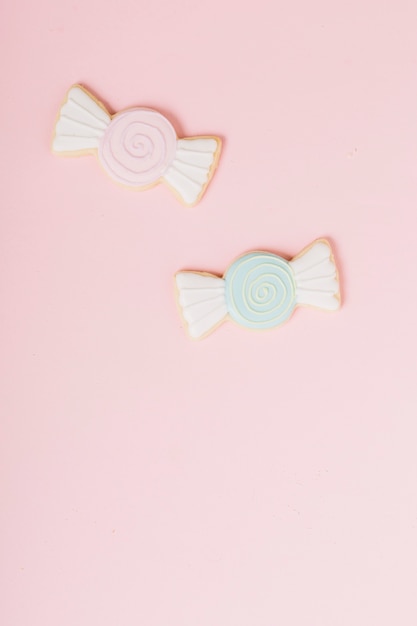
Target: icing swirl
[
  {"x": 260, "y": 290},
  {"x": 137, "y": 147}
]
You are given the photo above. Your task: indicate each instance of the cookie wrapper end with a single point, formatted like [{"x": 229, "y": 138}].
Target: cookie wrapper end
[
  {"x": 193, "y": 166},
  {"x": 316, "y": 277},
  {"x": 81, "y": 123},
  {"x": 202, "y": 301}
]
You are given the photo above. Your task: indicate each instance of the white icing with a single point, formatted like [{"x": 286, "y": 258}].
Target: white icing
[
  {"x": 186, "y": 188},
  {"x": 193, "y": 296},
  {"x": 81, "y": 123},
  {"x": 194, "y": 280},
  {"x": 199, "y": 310},
  {"x": 81, "y": 100},
  {"x": 200, "y": 159},
  {"x": 201, "y": 327},
  {"x": 326, "y": 283},
  {"x": 74, "y": 144},
  {"x": 199, "y": 144},
  {"x": 192, "y": 167},
  {"x": 68, "y": 126},
  {"x": 203, "y": 302},
  {"x": 316, "y": 277},
  {"x": 318, "y": 299},
  {"x": 193, "y": 172}
]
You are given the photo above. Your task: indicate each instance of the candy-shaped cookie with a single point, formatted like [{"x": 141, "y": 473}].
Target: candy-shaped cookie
[
  {"x": 137, "y": 148},
  {"x": 259, "y": 290}
]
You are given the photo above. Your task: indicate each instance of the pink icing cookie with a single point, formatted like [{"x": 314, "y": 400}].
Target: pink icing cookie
[{"x": 137, "y": 148}]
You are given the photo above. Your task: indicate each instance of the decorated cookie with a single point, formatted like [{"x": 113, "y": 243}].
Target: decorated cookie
[
  {"x": 260, "y": 290},
  {"x": 137, "y": 148}
]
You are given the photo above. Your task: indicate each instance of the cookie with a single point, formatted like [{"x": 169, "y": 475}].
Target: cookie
[
  {"x": 259, "y": 290},
  {"x": 138, "y": 148}
]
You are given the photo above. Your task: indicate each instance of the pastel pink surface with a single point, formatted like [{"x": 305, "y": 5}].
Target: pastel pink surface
[{"x": 249, "y": 478}]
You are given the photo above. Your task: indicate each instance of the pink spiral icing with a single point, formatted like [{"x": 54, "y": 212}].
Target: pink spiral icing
[{"x": 137, "y": 147}]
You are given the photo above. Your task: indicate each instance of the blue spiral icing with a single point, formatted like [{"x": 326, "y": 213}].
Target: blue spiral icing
[{"x": 260, "y": 290}]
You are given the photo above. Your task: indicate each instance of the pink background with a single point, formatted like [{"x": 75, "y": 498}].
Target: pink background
[{"x": 248, "y": 479}]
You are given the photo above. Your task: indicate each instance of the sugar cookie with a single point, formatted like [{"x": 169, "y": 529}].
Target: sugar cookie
[
  {"x": 259, "y": 290},
  {"x": 137, "y": 148}
]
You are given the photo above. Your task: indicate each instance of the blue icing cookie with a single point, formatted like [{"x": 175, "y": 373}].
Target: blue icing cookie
[{"x": 260, "y": 290}]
